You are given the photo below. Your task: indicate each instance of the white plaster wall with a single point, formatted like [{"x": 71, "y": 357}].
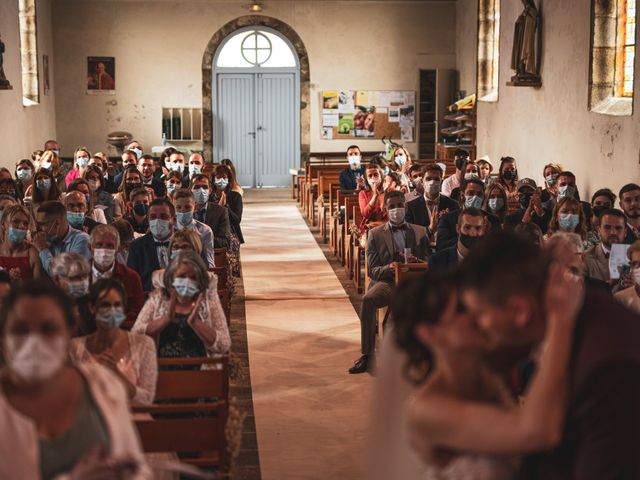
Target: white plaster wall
[
  {"x": 158, "y": 45},
  {"x": 24, "y": 129},
  {"x": 467, "y": 43},
  {"x": 553, "y": 124}
]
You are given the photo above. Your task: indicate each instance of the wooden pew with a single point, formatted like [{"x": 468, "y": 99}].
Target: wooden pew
[
  {"x": 328, "y": 210},
  {"x": 335, "y": 228},
  {"x": 325, "y": 181},
  {"x": 205, "y": 392},
  {"x": 311, "y": 184},
  {"x": 345, "y": 251},
  {"x": 406, "y": 271}
]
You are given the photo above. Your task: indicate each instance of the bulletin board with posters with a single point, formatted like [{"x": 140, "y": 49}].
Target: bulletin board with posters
[{"x": 368, "y": 114}]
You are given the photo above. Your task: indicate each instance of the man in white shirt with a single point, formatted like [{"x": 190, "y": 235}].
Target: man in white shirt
[
  {"x": 461, "y": 158},
  {"x": 185, "y": 204}
]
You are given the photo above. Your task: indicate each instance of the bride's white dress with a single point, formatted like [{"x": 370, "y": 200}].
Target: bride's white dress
[
  {"x": 467, "y": 466},
  {"x": 473, "y": 467}
]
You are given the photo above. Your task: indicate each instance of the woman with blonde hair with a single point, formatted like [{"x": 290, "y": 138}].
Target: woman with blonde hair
[
  {"x": 81, "y": 159},
  {"x": 401, "y": 164},
  {"x": 17, "y": 256},
  {"x": 50, "y": 161},
  {"x": 495, "y": 201}
]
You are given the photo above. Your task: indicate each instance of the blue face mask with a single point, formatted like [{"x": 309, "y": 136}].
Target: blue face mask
[
  {"x": 473, "y": 202},
  {"x": 174, "y": 253},
  {"x": 185, "y": 287},
  {"x": 79, "y": 288},
  {"x": 221, "y": 183},
  {"x": 43, "y": 184},
  {"x": 16, "y": 236},
  {"x": 111, "y": 318},
  {"x": 568, "y": 222},
  {"x": 194, "y": 169},
  {"x": 160, "y": 229},
  {"x": 82, "y": 162},
  {"x": 171, "y": 187},
  {"x": 400, "y": 160},
  {"x": 75, "y": 219},
  {"x": 202, "y": 195},
  {"x": 184, "y": 219}
]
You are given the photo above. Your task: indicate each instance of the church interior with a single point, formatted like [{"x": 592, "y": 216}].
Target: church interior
[{"x": 210, "y": 209}]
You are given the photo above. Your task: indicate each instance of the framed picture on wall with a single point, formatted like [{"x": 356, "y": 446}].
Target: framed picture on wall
[
  {"x": 45, "y": 75},
  {"x": 101, "y": 75}
]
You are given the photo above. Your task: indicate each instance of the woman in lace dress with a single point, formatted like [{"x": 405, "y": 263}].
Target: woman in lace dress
[
  {"x": 131, "y": 356},
  {"x": 463, "y": 420},
  {"x": 185, "y": 317}
]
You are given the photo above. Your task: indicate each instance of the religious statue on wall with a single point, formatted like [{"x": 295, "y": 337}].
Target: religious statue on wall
[
  {"x": 525, "y": 57},
  {"x": 4, "y": 83}
]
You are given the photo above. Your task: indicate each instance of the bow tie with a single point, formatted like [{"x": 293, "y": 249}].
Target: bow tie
[
  {"x": 395, "y": 228},
  {"x": 162, "y": 244}
]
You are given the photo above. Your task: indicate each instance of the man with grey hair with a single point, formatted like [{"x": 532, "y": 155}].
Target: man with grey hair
[{"x": 104, "y": 245}]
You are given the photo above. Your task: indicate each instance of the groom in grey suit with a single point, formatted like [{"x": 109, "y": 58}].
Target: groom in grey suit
[{"x": 386, "y": 245}]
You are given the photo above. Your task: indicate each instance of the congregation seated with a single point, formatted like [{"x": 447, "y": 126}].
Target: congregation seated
[
  {"x": 43, "y": 189},
  {"x": 568, "y": 216},
  {"x": 472, "y": 196},
  {"x": 495, "y": 201},
  {"x": 427, "y": 209},
  {"x": 387, "y": 244},
  {"x": 100, "y": 199},
  {"x": 150, "y": 252},
  {"x": 209, "y": 212},
  {"x": 130, "y": 356},
  {"x": 530, "y": 207},
  {"x": 104, "y": 245},
  {"x": 17, "y": 256},
  {"x": 222, "y": 194},
  {"x": 147, "y": 167},
  {"x": 72, "y": 274},
  {"x": 80, "y": 408},
  {"x": 629, "y": 199},
  {"x": 25, "y": 170},
  {"x": 185, "y": 316},
  {"x": 184, "y": 202},
  {"x": 75, "y": 202},
  {"x": 371, "y": 197},
  {"x": 352, "y": 178},
  {"x": 56, "y": 236},
  {"x": 470, "y": 228},
  {"x": 131, "y": 179},
  {"x": 137, "y": 210},
  {"x": 631, "y": 295}
]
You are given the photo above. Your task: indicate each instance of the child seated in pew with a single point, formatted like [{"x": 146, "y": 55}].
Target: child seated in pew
[{"x": 131, "y": 356}]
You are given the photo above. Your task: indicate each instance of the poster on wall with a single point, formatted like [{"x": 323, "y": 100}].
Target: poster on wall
[
  {"x": 46, "y": 86},
  {"x": 101, "y": 75},
  {"x": 368, "y": 114}
]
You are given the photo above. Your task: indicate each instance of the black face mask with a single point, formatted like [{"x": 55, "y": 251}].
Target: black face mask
[
  {"x": 525, "y": 200},
  {"x": 460, "y": 163},
  {"x": 597, "y": 211},
  {"x": 141, "y": 209},
  {"x": 133, "y": 186},
  {"x": 468, "y": 241},
  {"x": 509, "y": 175}
]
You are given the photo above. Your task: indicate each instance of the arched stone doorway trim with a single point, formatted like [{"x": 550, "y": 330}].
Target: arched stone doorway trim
[{"x": 207, "y": 77}]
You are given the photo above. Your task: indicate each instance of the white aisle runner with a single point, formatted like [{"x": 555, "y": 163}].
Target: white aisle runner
[{"x": 303, "y": 335}]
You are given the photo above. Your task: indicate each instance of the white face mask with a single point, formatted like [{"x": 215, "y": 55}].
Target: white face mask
[
  {"x": 432, "y": 187},
  {"x": 104, "y": 257},
  {"x": 396, "y": 215},
  {"x": 354, "y": 161},
  {"x": 33, "y": 358},
  {"x": 401, "y": 160}
]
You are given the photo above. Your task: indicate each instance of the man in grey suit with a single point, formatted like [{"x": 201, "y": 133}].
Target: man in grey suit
[{"x": 386, "y": 246}]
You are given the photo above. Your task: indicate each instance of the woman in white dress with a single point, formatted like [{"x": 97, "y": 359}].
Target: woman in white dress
[
  {"x": 474, "y": 429},
  {"x": 131, "y": 356}
]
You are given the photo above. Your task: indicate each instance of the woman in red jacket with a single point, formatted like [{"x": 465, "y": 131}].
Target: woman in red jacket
[{"x": 371, "y": 199}]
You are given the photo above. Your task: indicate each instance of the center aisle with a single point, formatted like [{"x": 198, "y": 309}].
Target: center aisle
[{"x": 303, "y": 335}]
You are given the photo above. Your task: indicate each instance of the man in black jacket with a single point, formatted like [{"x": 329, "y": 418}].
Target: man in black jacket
[
  {"x": 471, "y": 227},
  {"x": 352, "y": 178},
  {"x": 427, "y": 209},
  {"x": 530, "y": 207}
]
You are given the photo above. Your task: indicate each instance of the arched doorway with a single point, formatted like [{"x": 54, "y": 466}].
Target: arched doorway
[{"x": 250, "y": 87}]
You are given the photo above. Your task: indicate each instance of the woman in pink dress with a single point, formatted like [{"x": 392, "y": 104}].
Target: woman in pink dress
[
  {"x": 81, "y": 159},
  {"x": 17, "y": 256}
]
